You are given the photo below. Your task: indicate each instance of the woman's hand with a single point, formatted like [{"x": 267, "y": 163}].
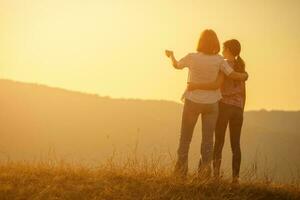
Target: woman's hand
[
  {"x": 169, "y": 53},
  {"x": 192, "y": 86},
  {"x": 239, "y": 76}
]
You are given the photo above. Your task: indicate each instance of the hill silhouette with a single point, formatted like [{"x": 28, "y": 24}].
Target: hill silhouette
[{"x": 37, "y": 119}]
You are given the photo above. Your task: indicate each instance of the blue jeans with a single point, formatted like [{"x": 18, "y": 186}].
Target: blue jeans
[{"x": 191, "y": 112}]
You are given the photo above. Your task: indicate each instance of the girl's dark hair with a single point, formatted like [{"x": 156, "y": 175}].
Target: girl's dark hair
[
  {"x": 208, "y": 43},
  {"x": 234, "y": 47}
]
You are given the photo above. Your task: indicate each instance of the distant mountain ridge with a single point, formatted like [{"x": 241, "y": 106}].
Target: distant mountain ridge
[{"x": 35, "y": 118}]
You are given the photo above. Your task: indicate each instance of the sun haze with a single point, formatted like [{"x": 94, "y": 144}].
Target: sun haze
[{"x": 116, "y": 48}]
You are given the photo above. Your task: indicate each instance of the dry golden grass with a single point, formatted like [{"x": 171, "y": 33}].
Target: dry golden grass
[{"x": 132, "y": 179}]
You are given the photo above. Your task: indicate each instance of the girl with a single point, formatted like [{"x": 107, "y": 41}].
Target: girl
[
  {"x": 204, "y": 67},
  {"x": 231, "y": 109}
]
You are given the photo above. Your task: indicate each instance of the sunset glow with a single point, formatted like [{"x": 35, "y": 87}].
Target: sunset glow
[{"x": 116, "y": 48}]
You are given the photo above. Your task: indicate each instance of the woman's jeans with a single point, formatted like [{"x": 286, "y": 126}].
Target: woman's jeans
[
  {"x": 233, "y": 116},
  {"x": 191, "y": 112}
]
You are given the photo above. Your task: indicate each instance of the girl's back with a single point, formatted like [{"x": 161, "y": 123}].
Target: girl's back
[{"x": 203, "y": 69}]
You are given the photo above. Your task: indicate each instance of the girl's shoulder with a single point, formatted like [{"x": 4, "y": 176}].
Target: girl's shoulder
[
  {"x": 206, "y": 58},
  {"x": 215, "y": 56},
  {"x": 220, "y": 57},
  {"x": 193, "y": 54}
]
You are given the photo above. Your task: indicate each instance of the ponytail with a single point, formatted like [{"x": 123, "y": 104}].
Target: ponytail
[
  {"x": 239, "y": 65},
  {"x": 234, "y": 47}
]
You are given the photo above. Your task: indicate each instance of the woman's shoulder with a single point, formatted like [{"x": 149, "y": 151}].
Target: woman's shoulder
[
  {"x": 214, "y": 56},
  {"x": 219, "y": 57},
  {"x": 192, "y": 54}
]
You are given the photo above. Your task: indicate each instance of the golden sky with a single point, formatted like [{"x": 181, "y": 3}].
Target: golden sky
[{"x": 116, "y": 47}]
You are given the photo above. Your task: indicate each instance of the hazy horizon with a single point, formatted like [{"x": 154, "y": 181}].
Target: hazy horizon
[
  {"x": 36, "y": 120},
  {"x": 129, "y": 98},
  {"x": 116, "y": 48}
]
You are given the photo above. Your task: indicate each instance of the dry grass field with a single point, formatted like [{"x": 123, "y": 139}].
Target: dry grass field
[{"x": 132, "y": 179}]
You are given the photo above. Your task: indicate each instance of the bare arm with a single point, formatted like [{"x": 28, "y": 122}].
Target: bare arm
[
  {"x": 238, "y": 76},
  {"x": 170, "y": 54},
  {"x": 228, "y": 70},
  {"x": 207, "y": 86}
]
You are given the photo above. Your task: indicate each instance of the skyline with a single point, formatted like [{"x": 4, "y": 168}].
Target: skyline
[{"x": 72, "y": 45}]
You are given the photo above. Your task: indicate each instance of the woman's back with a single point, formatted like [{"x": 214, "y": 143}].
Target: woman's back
[{"x": 203, "y": 69}]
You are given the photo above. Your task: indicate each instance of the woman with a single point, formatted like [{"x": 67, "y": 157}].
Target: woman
[
  {"x": 231, "y": 109},
  {"x": 204, "y": 67}
]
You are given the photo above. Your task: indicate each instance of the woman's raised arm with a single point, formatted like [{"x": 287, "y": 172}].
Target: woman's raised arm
[{"x": 184, "y": 62}]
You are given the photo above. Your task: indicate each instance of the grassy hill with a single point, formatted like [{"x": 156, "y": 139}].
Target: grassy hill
[
  {"x": 59, "y": 180},
  {"x": 37, "y": 119}
]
